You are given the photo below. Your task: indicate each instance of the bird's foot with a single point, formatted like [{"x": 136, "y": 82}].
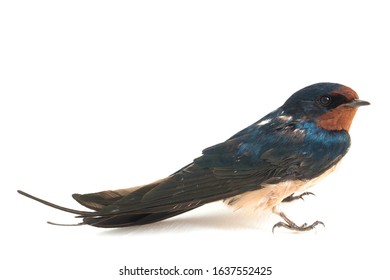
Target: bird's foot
[
  {"x": 295, "y": 227},
  {"x": 288, "y": 224},
  {"x": 293, "y": 197}
]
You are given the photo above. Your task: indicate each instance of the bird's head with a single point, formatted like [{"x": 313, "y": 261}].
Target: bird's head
[{"x": 331, "y": 106}]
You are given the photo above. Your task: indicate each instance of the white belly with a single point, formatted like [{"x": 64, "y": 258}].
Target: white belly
[{"x": 271, "y": 195}]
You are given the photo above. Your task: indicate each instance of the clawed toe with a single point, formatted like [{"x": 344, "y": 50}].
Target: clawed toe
[
  {"x": 289, "y": 224},
  {"x": 295, "y": 227},
  {"x": 295, "y": 197}
]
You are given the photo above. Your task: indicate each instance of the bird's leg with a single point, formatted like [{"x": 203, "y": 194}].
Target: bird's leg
[
  {"x": 293, "y": 197},
  {"x": 288, "y": 224}
]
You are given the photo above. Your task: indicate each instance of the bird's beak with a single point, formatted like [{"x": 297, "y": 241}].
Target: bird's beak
[{"x": 357, "y": 103}]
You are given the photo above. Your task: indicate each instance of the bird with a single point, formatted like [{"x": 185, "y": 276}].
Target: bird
[{"x": 273, "y": 161}]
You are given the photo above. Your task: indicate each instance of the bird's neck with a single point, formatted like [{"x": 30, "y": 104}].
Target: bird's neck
[{"x": 337, "y": 119}]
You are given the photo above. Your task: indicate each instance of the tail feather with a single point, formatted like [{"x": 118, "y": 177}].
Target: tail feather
[
  {"x": 97, "y": 201},
  {"x": 128, "y": 219},
  {"x": 69, "y": 210},
  {"x": 109, "y": 221}
]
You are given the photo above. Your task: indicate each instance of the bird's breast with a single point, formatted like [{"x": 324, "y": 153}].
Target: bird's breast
[{"x": 271, "y": 195}]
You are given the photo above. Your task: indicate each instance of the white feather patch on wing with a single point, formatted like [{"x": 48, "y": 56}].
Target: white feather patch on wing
[{"x": 263, "y": 122}]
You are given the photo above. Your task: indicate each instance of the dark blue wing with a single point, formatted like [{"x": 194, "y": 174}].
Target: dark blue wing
[{"x": 279, "y": 149}]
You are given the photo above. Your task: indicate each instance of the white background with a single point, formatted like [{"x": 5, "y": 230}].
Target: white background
[{"x": 102, "y": 95}]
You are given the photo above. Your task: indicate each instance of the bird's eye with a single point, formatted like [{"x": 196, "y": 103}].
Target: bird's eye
[{"x": 325, "y": 100}]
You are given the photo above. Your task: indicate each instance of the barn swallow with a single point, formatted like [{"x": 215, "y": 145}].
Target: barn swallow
[{"x": 261, "y": 166}]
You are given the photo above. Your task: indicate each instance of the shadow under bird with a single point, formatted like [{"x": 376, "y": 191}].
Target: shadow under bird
[{"x": 263, "y": 165}]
